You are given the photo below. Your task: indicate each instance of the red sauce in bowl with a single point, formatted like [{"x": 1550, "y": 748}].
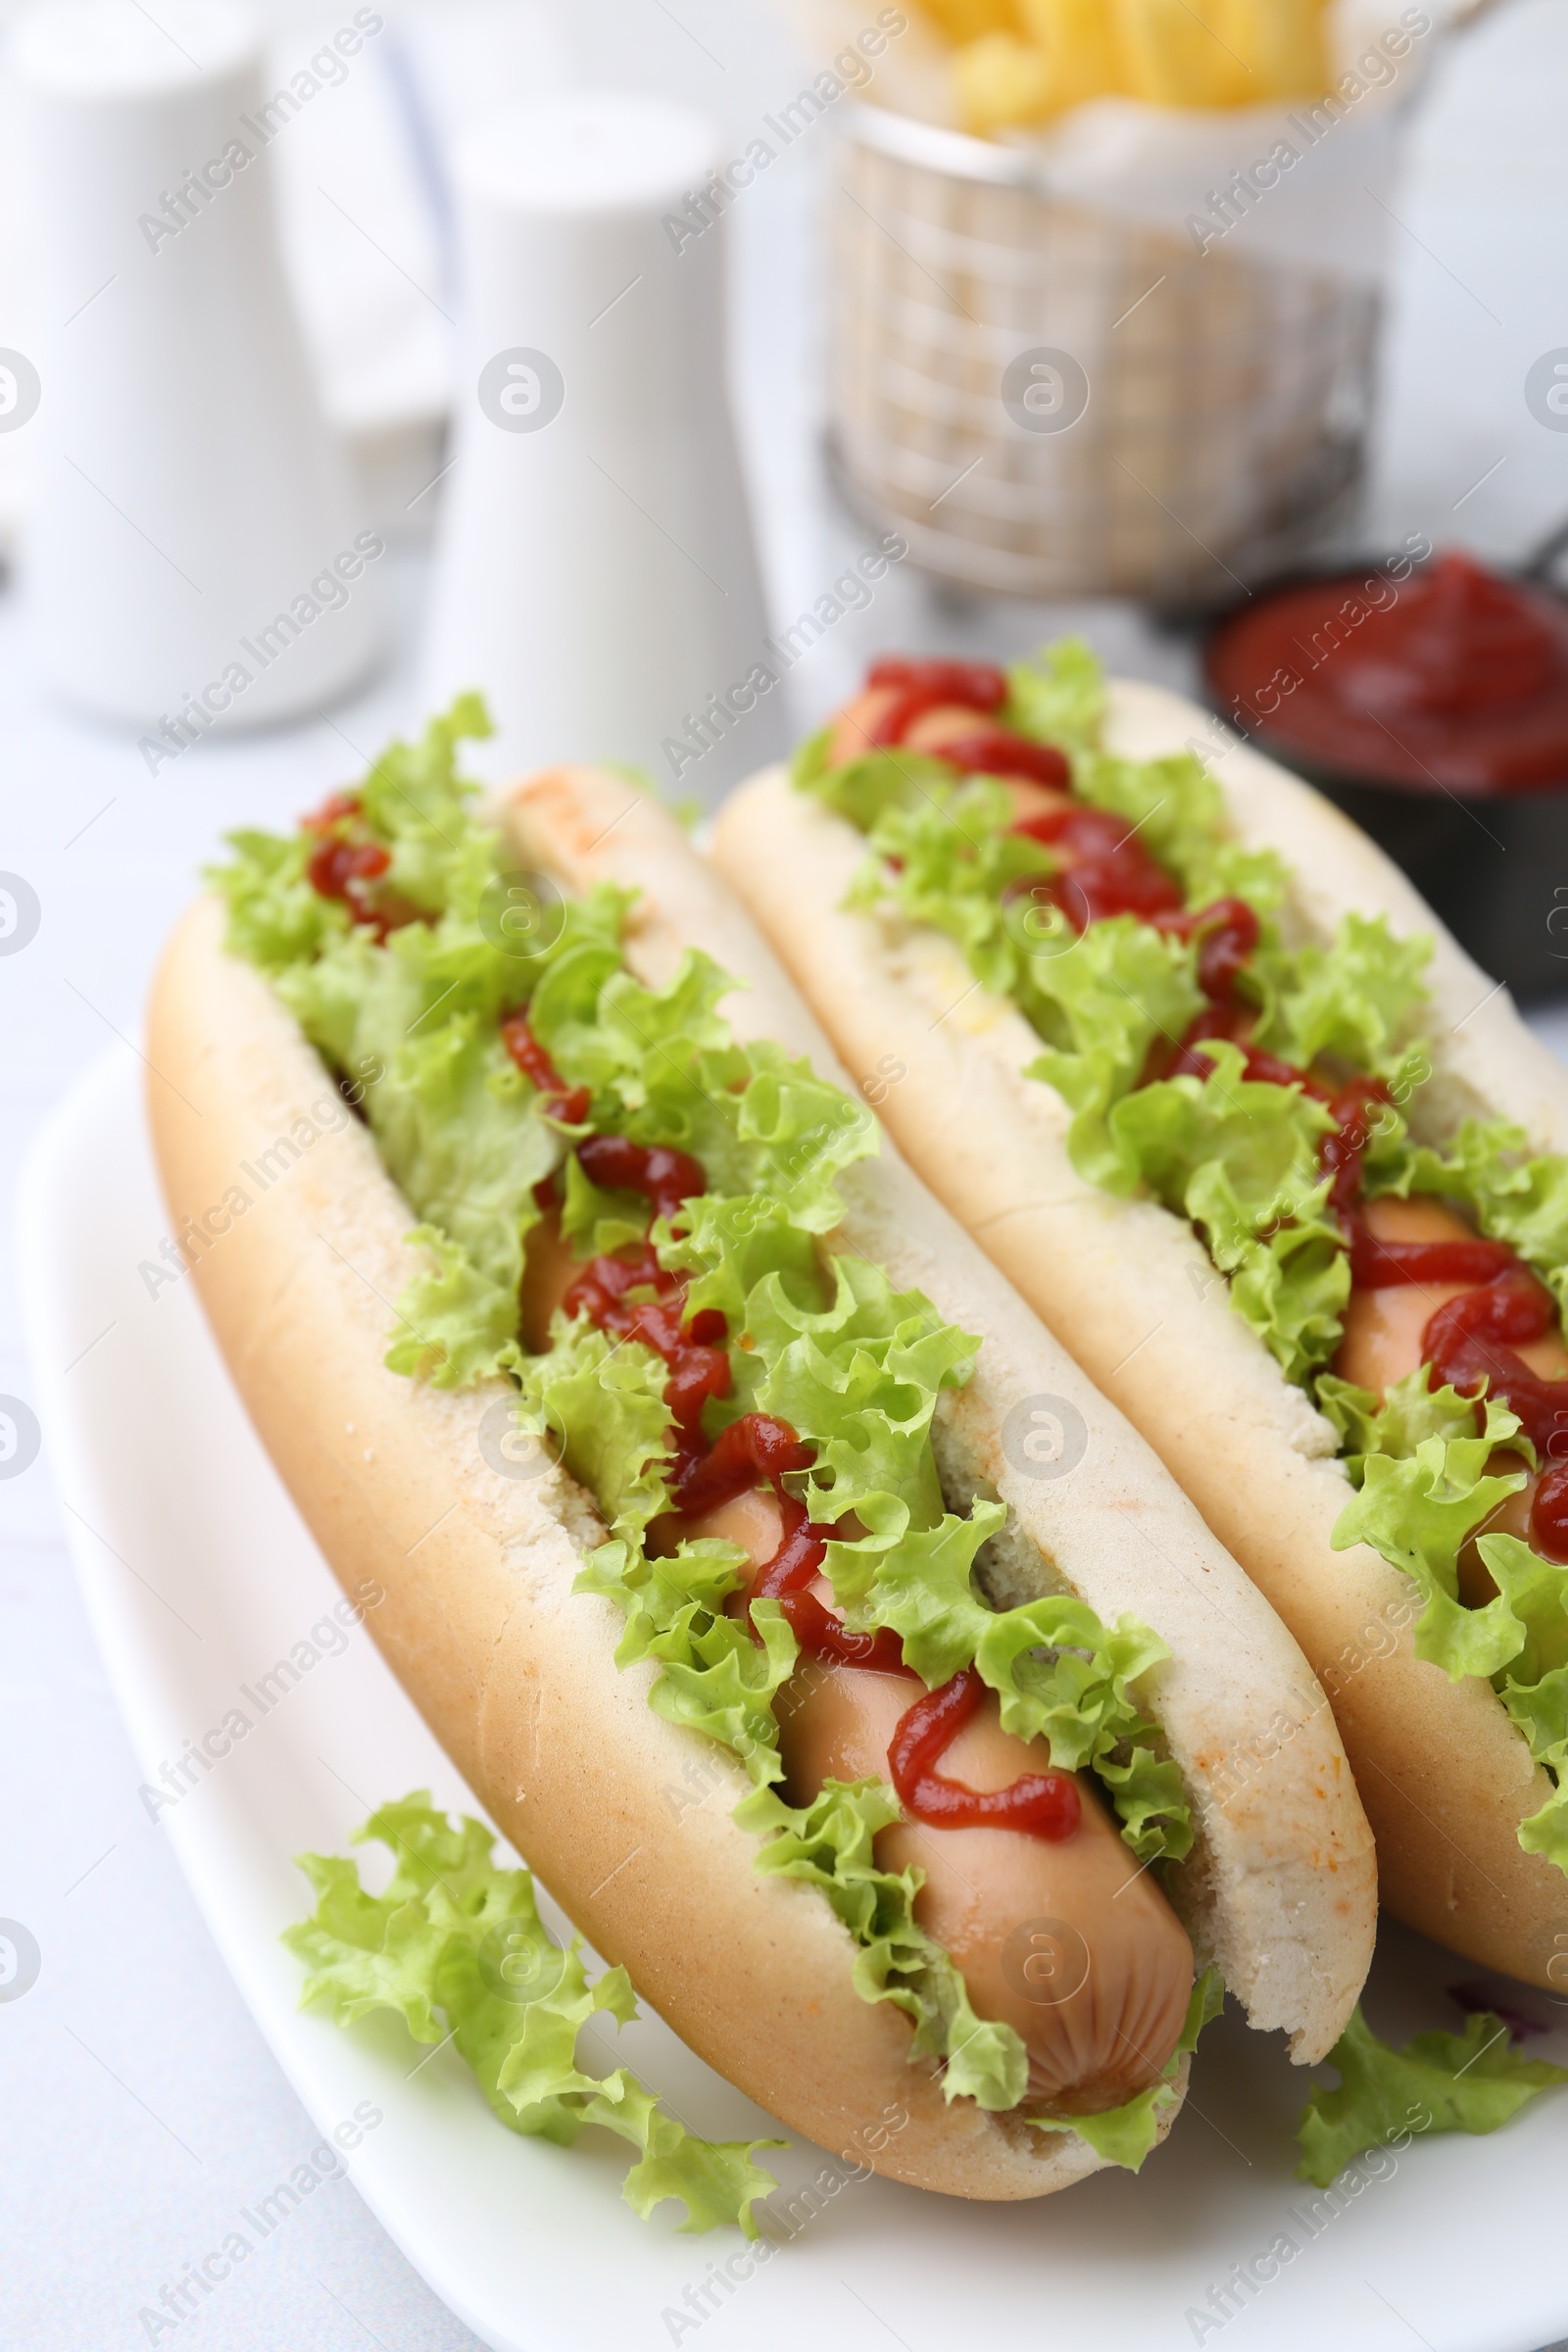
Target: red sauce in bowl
[{"x": 1452, "y": 679}]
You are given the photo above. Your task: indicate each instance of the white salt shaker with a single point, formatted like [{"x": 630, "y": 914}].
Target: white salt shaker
[
  {"x": 199, "y": 559},
  {"x": 596, "y": 575}
]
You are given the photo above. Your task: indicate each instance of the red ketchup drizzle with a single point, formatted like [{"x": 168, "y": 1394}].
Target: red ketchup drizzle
[
  {"x": 339, "y": 868},
  {"x": 761, "y": 1446},
  {"x": 662, "y": 1175},
  {"x": 698, "y": 1361},
  {"x": 921, "y": 685},
  {"x": 999, "y": 751},
  {"x": 987, "y": 749},
  {"x": 1472, "y": 1340},
  {"x": 695, "y": 1351},
  {"x": 788, "y": 1578},
  {"x": 1112, "y": 872},
  {"x": 1549, "y": 1514},
  {"x": 568, "y": 1104},
  {"x": 1378, "y": 1265},
  {"x": 1043, "y": 1804},
  {"x": 756, "y": 1447},
  {"x": 978, "y": 684}
]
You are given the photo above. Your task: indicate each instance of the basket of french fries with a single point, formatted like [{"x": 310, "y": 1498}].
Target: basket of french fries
[{"x": 1105, "y": 283}]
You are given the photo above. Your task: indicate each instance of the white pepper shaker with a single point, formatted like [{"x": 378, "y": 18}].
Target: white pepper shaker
[{"x": 596, "y": 574}]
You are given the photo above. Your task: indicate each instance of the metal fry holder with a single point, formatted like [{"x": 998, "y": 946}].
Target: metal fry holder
[{"x": 1050, "y": 399}]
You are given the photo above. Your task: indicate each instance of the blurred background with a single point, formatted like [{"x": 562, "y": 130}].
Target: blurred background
[{"x": 596, "y": 353}]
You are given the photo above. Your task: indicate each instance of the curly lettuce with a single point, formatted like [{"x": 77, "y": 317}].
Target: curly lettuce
[
  {"x": 1239, "y": 1158},
  {"x": 1057, "y": 695},
  {"x": 457, "y": 1949},
  {"x": 1469, "y": 2081}
]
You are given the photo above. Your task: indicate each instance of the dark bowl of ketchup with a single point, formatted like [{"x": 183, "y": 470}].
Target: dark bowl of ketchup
[{"x": 1430, "y": 703}]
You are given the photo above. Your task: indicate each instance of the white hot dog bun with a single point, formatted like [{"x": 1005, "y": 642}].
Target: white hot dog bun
[
  {"x": 516, "y": 1676},
  {"x": 1445, "y": 1776}
]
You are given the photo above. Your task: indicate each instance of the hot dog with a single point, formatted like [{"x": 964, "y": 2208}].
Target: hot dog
[
  {"x": 961, "y": 1849},
  {"x": 1208, "y": 1080}
]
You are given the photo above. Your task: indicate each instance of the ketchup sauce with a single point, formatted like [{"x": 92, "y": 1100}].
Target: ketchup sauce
[
  {"x": 1473, "y": 1340},
  {"x": 1044, "y": 1805},
  {"x": 987, "y": 748},
  {"x": 1111, "y": 873},
  {"x": 1548, "y": 1515},
  {"x": 567, "y": 1103},
  {"x": 1378, "y": 1265},
  {"x": 663, "y": 1176},
  {"x": 343, "y": 868},
  {"x": 999, "y": 751},
  {"x": 979, "y": 684},
  {"x": 1454, "y": 680}
]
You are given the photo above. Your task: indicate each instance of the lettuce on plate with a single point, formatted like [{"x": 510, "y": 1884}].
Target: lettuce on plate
[
  {"x": 1469, "y": 2081},
  {"x": 456, "y": 1947}
]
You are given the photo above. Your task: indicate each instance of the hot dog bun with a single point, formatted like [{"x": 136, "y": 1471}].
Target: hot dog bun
[
  {"x": 1445, "y": 1776},
  {"x": 516, "y": 1676}
]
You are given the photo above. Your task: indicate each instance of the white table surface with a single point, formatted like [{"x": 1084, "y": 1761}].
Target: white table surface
[{"x": 141, "y": 2107}]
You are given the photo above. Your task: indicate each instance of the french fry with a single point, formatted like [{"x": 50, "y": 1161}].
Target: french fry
[
  {"x": 1282, "y": 44},
  {"x": 971, "y": 20},
  {"x": 1179, "y": 53},
  {"x": 1000, "y": 83},
  {"x": 1079, "y": 40}
]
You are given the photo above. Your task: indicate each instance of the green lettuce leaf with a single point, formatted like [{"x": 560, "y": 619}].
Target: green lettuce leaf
[
  {"x": 415, "y": 1024},
  {"x": 456, "y": 1947},
  {"x": 456, "y": 1325},
  {"x": 1101, "y": 1002},
  {"x": 663, "y": 1069},
  {"x": 866, "y": 790},
  {"x": 1417, "y": 1511},
  {"x": 600, "y": 1404},
  {"x": 1469, "y": 2081},
  {"x": 1424, "y": 1487},
  {"x": 1533, "y": 1593},
  {"x": 1411, "y": 1411},
  {"x": 1057, "y": 695},
  {"x": 276, "y": 919},
  {"x": 1354, "y": 999},
  {"x": 949, "y": 858},
  {"x": 1239, "y": 1158},
  {"x": 1063, "y": 1676}
]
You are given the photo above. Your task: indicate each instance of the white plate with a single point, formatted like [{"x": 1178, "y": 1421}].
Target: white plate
[{"x": 199, "y": 1575}]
